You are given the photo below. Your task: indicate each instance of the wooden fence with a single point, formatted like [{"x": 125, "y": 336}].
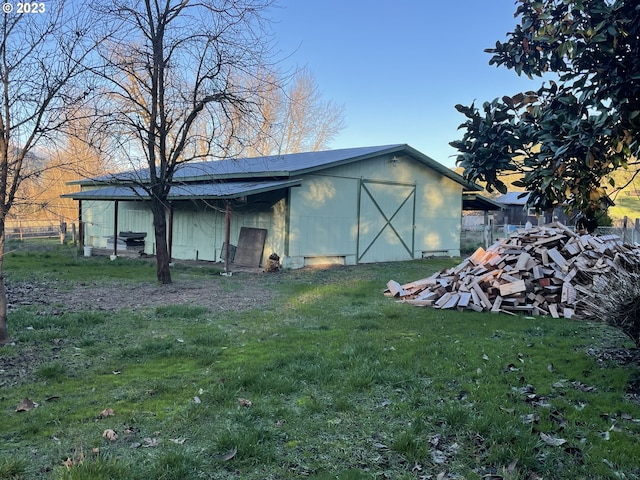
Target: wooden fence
[
  {"x": 24, "y": 229},
  {"x": 472, "y": 238}
]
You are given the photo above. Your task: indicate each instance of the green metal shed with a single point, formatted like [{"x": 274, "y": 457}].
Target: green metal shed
[{"x": 347, "y": 206}]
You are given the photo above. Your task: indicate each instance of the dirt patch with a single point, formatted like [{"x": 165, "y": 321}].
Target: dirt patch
[{"x": 216, "y": 294}]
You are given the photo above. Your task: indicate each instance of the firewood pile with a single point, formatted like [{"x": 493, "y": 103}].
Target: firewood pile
[{"x": 544, "y": 270}]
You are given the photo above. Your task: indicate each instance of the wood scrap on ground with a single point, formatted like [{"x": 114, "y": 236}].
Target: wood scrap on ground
[{"x": 544, "y": 270}]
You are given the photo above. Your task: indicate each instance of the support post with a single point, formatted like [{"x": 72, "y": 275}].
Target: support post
[
  {"x": 80, "y": 224},
  {"x": 227, "y": 236},
  {"x": 115, "y": 229},
  {"x": 170, "y": 239}
]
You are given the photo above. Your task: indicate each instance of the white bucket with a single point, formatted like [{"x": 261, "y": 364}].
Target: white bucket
[{"x": 87, "y": 250}]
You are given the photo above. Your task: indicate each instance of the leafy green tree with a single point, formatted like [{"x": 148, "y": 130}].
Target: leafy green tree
[{"x": 569, "y": 136}]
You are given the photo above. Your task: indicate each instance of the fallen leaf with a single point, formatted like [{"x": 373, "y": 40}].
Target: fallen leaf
[
  {"x": 582, "y": 387},
  {"x": 225, "y": 457},
  {"x": 107, "y": 412},
  {"x": 530, "y": 418},
  {"x": 243, "y": 402},
  {"x": 527, "y": 389},
  {"x": 438, "y": 456},
  {"x": 68, "y": 462},
  {"x": 553, "y": 441},
  {"x": 26, "y": 405},
  {"x": 558, "y": 418},
  {"x": 150, "y": 442},
  {"x": 110, "y": 435}
]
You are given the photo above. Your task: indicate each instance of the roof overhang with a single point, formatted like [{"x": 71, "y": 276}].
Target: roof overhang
[
  {"x": 475, "y": 201},
  {"x": 188, "y": 191}
]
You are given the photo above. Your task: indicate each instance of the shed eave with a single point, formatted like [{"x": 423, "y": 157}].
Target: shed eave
[{"x": 183, "y": 192}]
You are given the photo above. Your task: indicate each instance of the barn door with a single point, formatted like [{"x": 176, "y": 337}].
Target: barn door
[{"x": 386, "y": 216}]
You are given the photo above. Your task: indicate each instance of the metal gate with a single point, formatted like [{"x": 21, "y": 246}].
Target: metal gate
[{"x": 386, "y": 218}]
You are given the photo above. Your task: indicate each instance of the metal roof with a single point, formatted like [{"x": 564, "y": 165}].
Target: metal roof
[
  {"x": 186, "y": 191},
  {"x": 275, "y": 166},
  {"x": 513, "y": 198}
]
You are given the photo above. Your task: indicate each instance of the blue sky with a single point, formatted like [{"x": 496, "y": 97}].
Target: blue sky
[{"x": 400, "y": 67}]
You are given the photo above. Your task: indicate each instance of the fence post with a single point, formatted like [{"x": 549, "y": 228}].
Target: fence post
[{"x": 63, "y": 231}]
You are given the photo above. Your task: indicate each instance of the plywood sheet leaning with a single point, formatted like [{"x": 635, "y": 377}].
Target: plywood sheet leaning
[
  {"x": 545, "y": 270},
  {"x": 250, "y": 247}
]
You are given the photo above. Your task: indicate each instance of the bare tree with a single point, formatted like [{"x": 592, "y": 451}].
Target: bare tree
[
  {"x": 41, "y": 56},
  {"x": 289, "y": 116},
  {"x": 76, "y": 153},
  {"x": 40, "y": 197},
  {"x": 169, "y": 65}
]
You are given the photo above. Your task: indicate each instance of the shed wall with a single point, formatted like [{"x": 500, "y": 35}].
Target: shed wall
[
  {"x": 383, "y": 209},
  {"x": 329, "y": 220},
  {"x": 198, "y": 227}
]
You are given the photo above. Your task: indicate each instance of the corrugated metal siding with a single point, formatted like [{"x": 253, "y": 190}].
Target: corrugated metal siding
[
  {"x": 438, "y": 216},
  {"x": 98, "y": 222},
  {"x": 386, "y": 221},
  {"x": 198, "y": 228},
  {"x": 199, "y": 233},
  {"x": 323, "y": 217}
]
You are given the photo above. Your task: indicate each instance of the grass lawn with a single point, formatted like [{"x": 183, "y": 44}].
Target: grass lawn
[
  {"x": 327, "y": 380},
  {"x": 628, "y": 206}
]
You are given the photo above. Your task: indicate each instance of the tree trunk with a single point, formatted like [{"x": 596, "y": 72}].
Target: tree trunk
[
  {"x": 162, "y": 251},
  {"x": 4, "y": 332}
]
